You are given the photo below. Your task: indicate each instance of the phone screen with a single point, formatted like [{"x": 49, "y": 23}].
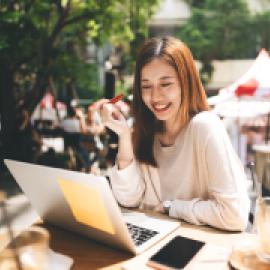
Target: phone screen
[{"x": 177, "y": 253}]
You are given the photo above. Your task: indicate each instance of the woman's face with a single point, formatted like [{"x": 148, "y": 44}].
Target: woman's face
[{"x": 160, "y": 90}]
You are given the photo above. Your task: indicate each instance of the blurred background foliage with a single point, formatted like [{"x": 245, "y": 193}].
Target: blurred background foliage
[
  {"x": 41, "y": 39},
  {"x": 55, "y": 44},
  {"x": 221, "y": 29},
  {"x": 45, "y": 44}
]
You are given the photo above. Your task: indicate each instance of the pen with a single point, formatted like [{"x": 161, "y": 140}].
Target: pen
[
  {"x": 113, "y": 100},
  {"x": 116, "y": 99}
]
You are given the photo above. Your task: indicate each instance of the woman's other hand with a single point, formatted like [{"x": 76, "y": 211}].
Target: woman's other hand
[{"x": 159, "y": 208}]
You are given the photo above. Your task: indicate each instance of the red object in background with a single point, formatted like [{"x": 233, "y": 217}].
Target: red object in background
[
  {"x": 248, "y": 88},
  {"x": 47, "y": 102}
]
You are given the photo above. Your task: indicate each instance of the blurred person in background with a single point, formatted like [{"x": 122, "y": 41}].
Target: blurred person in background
[
  {"x": 74, "y": 127},
  {"x": 93, "y": 122},
  {"x": 93, "y": 141},
  {"x": 74, "y": 122}
]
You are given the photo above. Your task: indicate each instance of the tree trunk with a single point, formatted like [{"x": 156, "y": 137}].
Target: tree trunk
[
  {"x": 7, "y": 112},
  {"x": 16, "y": 133}
]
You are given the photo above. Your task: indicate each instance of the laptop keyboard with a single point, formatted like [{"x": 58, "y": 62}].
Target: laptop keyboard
[{"x": 140, "y": 234}]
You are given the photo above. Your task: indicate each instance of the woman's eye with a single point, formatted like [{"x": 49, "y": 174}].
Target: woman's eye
[
  {"x": 166, "y": 84},
  {"x": 145, "y": 87}
]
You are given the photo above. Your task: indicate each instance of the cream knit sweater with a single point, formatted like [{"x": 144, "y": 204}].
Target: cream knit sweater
[{"x": 200, "y": 173}]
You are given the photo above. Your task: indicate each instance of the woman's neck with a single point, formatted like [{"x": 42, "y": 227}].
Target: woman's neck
[{"x": 168, "y": 137}]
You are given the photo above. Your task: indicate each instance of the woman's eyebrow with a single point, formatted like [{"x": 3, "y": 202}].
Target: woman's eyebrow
[
  {"x": 145, "y": 80},
  {"x": 166, "y": 77},
  {"x": 161, "y": 78}
]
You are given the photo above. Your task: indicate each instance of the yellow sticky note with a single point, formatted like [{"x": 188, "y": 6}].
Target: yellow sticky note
[{"x": 86, "y": 205}]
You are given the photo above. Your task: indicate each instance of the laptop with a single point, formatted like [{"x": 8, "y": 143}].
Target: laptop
[{"x": 84, "y": 203}]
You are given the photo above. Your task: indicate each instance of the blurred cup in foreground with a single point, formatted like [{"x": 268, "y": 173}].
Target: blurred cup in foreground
[
  {"x": 29, "y": 251},
  {"x": 263, "y": 227}
]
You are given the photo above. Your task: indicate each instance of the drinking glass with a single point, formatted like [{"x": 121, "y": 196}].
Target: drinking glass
[
  {"x": 263, "y": 227},
  {"x": 265, "y": 183},
  {"x": 28, "y": 251}
]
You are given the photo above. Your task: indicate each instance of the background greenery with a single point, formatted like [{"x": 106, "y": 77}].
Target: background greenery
[
  {"x": 222, "y": 29},
  {"x": 44, "y": 44}
]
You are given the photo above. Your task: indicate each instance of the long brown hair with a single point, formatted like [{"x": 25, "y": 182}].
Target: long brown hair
[{"x": 193, "y": 98}]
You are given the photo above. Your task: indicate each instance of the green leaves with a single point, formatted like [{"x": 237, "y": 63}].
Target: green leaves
[
  {"x": 261, "y": 24},
  {"x": 214, "y": 30},
  {"x": 41, "y": 39},
  {"x": 221, "y": 29}
]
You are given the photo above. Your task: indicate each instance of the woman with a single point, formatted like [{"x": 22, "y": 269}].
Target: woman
[{"x": 178, "y": 158}]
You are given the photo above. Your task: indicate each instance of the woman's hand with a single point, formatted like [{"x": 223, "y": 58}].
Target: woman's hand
[
  {"x": 159, "y": 208},
  {"x": 112, "y": 118},
  {"x": 115, "y": 120}
]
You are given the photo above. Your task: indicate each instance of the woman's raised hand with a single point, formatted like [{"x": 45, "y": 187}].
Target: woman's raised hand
[{"x": 112, "y": 117}]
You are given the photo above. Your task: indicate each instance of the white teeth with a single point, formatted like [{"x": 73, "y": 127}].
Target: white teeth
[{"x": 160, "y": 106}]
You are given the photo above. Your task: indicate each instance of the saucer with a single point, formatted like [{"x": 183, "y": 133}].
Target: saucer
[{"x": 247, "y": 259}]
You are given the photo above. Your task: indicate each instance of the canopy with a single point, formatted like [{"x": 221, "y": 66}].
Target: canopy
[
  {"x": 255, "y": 82},
  {"x": 242, "y": 109}
]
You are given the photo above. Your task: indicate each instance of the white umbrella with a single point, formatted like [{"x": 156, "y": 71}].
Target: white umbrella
[{"x": 242, "y": 108}]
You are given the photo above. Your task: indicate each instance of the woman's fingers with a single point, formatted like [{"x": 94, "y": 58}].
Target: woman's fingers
[
  {"x": 117, "y": 115},
  {"x": 106, "y": 112},
  {"x": 159, "y": 208},
  {"x": 100, "y": 103},
  {"x": 113, "y": 118}
]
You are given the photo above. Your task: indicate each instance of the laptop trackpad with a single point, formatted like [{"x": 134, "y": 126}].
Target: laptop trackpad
[{"x": 134, "y": 217}]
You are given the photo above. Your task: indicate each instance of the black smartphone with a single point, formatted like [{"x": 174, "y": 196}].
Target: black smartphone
[{"x": 175, "y": 254}]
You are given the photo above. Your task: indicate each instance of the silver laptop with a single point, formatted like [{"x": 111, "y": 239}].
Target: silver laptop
[{"x": 84, "y": 203}]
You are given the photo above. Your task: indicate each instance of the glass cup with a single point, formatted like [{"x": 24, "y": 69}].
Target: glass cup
[
  {"x": 263, "y": 227},
  {"x": 29, "y": 251}
]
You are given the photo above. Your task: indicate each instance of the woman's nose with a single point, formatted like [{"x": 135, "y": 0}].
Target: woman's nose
[{"x": 156, "y": 93}]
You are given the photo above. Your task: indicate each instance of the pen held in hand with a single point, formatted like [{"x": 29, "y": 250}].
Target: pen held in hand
[
  {"x": 116, "y": 99},
  {"x": 113, "y": 100}
]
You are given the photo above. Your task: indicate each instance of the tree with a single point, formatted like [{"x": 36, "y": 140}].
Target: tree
[
  {"x": 42, "y": 41},
  {"x": 140, "y": 12},
  {"x": 219, "y": 29},
  {"x": 196, "y": 3},
  {"x": 261, "y": 25}
]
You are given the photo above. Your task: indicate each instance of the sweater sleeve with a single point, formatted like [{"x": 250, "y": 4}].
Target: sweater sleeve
[
  {"x": 127, "y": 185},
  {"x": 227, "y": 204}
]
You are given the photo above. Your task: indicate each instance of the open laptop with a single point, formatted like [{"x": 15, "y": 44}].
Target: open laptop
[{"x": 84, "y": 203}]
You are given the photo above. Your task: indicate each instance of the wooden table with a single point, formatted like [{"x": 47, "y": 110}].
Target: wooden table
[{"x": 89, "y": 254}]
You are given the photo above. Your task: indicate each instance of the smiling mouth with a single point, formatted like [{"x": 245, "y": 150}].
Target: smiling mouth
[{"x": 161, "y": 107}]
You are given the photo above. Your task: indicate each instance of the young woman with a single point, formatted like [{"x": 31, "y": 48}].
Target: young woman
[{"x": 177, "y": 159}]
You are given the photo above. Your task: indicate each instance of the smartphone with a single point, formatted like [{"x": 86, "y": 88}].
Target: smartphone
[{"x": 176, "y": 254}]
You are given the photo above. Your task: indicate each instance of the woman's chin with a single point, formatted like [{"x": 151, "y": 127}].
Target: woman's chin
[{"x": 161, "y": 117}]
